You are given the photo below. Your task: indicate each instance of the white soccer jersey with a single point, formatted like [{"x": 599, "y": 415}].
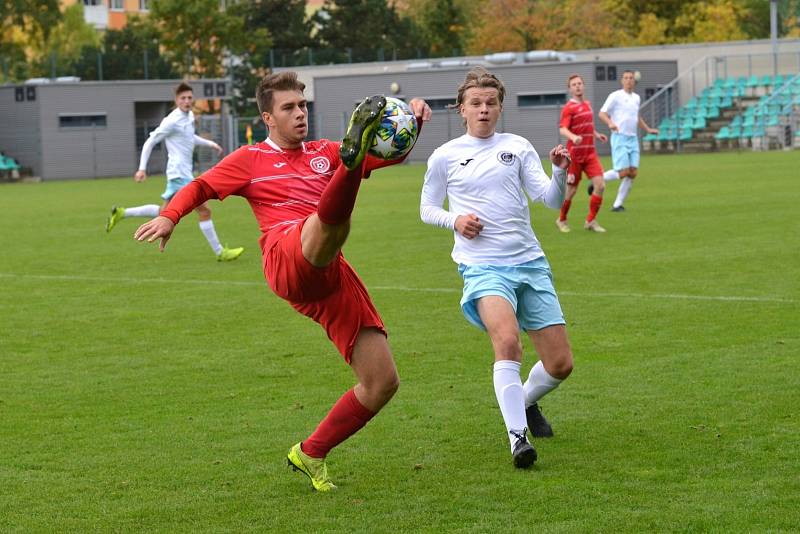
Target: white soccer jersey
[
  {"x": 489, "y": 177},
  {"x": 177, "y": 132},
  {"x": 623, "y": 108}
]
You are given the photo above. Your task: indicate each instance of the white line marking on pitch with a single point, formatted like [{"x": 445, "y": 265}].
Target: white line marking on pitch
[{"x": 128, "y": 280}]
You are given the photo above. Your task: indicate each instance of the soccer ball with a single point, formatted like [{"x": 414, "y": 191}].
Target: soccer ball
[{"x": 397, "y": 132}]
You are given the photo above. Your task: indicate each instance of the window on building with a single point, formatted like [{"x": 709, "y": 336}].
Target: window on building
[
  {"x": 600, "y": 73},
  {"x": 93, "y": 2},
  {"x": 440, "y": 103},
  {"x": 542, "y": 99},
  {"x": 144, "y": 5},
  {"x": 611, "y": 72},
  {"x": 118, "y": 5},
  {"x": 82, "y": 120}
]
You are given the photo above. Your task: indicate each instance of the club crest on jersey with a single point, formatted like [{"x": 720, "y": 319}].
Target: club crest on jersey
[
  {"x": 320, "y": 164},
  {"x": 506, "y": 158}
]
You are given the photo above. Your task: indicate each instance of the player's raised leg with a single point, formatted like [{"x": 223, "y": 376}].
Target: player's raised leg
[{"x": 326, "y": 231}]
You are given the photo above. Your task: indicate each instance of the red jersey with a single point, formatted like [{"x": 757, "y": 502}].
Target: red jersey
[
  {"x": 283, "y": 186},
  {"x": 578, "y": 118}
]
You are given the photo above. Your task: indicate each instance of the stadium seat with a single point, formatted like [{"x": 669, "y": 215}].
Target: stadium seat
[
  {"x": 712, "y": 112},
  {"x": 650, "y": 137},
  {"x": 699, "y": 123},
  {"x": 685, "y": 134},
  {"x": 723, "y": 134},
  {"x": 752, "y": 82},
  {"x": 765, "y": 81},
  {"x": 737, "y": 121},
  {"x": 778, "y": 81}
]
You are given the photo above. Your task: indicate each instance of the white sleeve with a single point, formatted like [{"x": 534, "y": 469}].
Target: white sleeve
[
  {"x": 156, "y": 136},
  {"x": 434, "y": 192},
  {"x": 537, "y": 183},
  {"x": 608, "y": 104},
  {"x": 202, "y": 141}
]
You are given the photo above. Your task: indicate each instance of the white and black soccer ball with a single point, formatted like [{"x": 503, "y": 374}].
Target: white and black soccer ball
[{"x": 397, "y": 131}]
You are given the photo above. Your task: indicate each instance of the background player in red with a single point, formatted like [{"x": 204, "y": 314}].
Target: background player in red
[
  {"x": 577, "y": 125},
  {"x": 302, "y": 194}
]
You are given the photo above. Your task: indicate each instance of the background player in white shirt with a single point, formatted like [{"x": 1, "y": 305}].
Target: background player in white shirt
[
  {"x": 177, "y": 132},
  {"x": 485, "y": 176},
  {"x": 621, "y": 113}
]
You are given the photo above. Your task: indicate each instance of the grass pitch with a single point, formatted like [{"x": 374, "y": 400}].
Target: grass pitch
[{"x": 160, "y": 392}]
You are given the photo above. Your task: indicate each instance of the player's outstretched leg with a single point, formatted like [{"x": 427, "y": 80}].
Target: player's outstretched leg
[
  {"x": 537, "y": 424},
  {"x": 117, "y": 214},
  {"x": 313, "y": 468},
  {"x": 361, "y": 130}
]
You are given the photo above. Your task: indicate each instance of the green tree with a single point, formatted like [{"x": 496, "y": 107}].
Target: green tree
[
  {"x": 716, "y": 20},
  {"x": 198, "y": 35},
  {"x": 123, "y": 55},
  {"x": 362, "y": 30},
  {"x": 443, "y": 23},
  {"x": 21, "y": 25},
  {"x": 66, "y": 41}
]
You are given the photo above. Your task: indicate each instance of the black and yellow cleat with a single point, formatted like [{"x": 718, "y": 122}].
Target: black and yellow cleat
[{"x": 361, "y": 130}]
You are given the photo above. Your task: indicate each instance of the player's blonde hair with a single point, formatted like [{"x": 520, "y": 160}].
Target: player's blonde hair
[
  {"x": 482, "y": 78},
  {"x": 282, "y": 81}
]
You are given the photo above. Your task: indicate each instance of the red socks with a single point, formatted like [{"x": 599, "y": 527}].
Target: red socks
[
  {"x": 346, "y": 418},
  {"x": 564, "y": 210},
  {"x": 337, "y": 201},
  {"x": 594, "y": 206}
]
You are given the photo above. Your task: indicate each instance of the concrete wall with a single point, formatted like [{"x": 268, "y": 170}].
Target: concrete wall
[
  {"x": 20, "y": 126},
  {"x": 38, "y": 140}
]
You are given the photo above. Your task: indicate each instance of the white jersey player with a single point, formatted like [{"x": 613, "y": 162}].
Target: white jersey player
[
  {"x": 487, "y": 179},
  {"x": 177, "y": 132}
]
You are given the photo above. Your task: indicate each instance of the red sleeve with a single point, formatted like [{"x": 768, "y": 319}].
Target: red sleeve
[
  {"x": 232, "y": 173},
  {"x": 566, "y": 116},
  {"x": 372, "y": 163},
  {"x": 187, "y": 199}
]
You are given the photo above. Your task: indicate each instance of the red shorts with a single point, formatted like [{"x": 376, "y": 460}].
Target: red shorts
[
  {"x": 333, "y": 296},
  {"x": 591, "y": 166}
]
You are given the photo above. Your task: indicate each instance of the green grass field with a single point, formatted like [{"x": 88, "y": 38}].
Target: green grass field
[{"x": 160, "y": 392}]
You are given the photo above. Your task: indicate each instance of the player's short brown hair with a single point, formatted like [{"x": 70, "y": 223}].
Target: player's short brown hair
[
  {"x": 281, "y": 81},
  {"x": 480, "y": 77},
  {"x": 572, "y": 77},
  {"x": 182, "y": 88}
]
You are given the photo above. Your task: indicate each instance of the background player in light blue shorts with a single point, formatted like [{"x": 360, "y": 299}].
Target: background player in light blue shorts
[{"x": 620, "y": 112}]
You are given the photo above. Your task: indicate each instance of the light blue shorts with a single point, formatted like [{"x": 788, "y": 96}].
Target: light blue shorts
[
  {"x": 624, "y": 151},
  {"x": 528, "y": 287},
  {"x": 174, "y": 185}
]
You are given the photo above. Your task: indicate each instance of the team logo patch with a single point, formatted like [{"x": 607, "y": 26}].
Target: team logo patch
[
  {"x": 320, "y": 164},
  {"x": 506, "y": 158}
]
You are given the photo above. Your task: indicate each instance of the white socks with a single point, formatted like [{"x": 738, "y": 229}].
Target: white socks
[
  {"x": 511, "y": 398},
  {"x": 207, "y": 227},
  {"x": 539, "y": 384},
  {"x": 148, "y": 210},
  {"x": 622, "y": 194},
  {"x": 611, "y": 175}
]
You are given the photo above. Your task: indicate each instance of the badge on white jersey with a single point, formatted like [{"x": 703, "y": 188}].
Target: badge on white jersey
[{"x": 506, "y": 158}]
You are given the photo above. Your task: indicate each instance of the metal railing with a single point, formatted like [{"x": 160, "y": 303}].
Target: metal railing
[{"x": 670, "y": 100}]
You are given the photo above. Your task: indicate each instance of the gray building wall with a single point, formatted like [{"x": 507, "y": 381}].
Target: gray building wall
[
  {"x": 20, "y": 127},
  {"x": 335, "y": 97},
  {"x": 38, "y": 140}
]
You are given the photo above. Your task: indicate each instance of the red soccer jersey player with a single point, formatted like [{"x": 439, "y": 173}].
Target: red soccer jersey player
[
  {"x": 302, "y": 194},
  {"x": 577, "y": 125}
]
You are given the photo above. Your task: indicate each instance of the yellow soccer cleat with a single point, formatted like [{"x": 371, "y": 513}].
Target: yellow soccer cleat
[
  {"x": 314, "y": 468},
  {"x": 117, "y": 214},
  {"x": 229, "y": 254}
]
